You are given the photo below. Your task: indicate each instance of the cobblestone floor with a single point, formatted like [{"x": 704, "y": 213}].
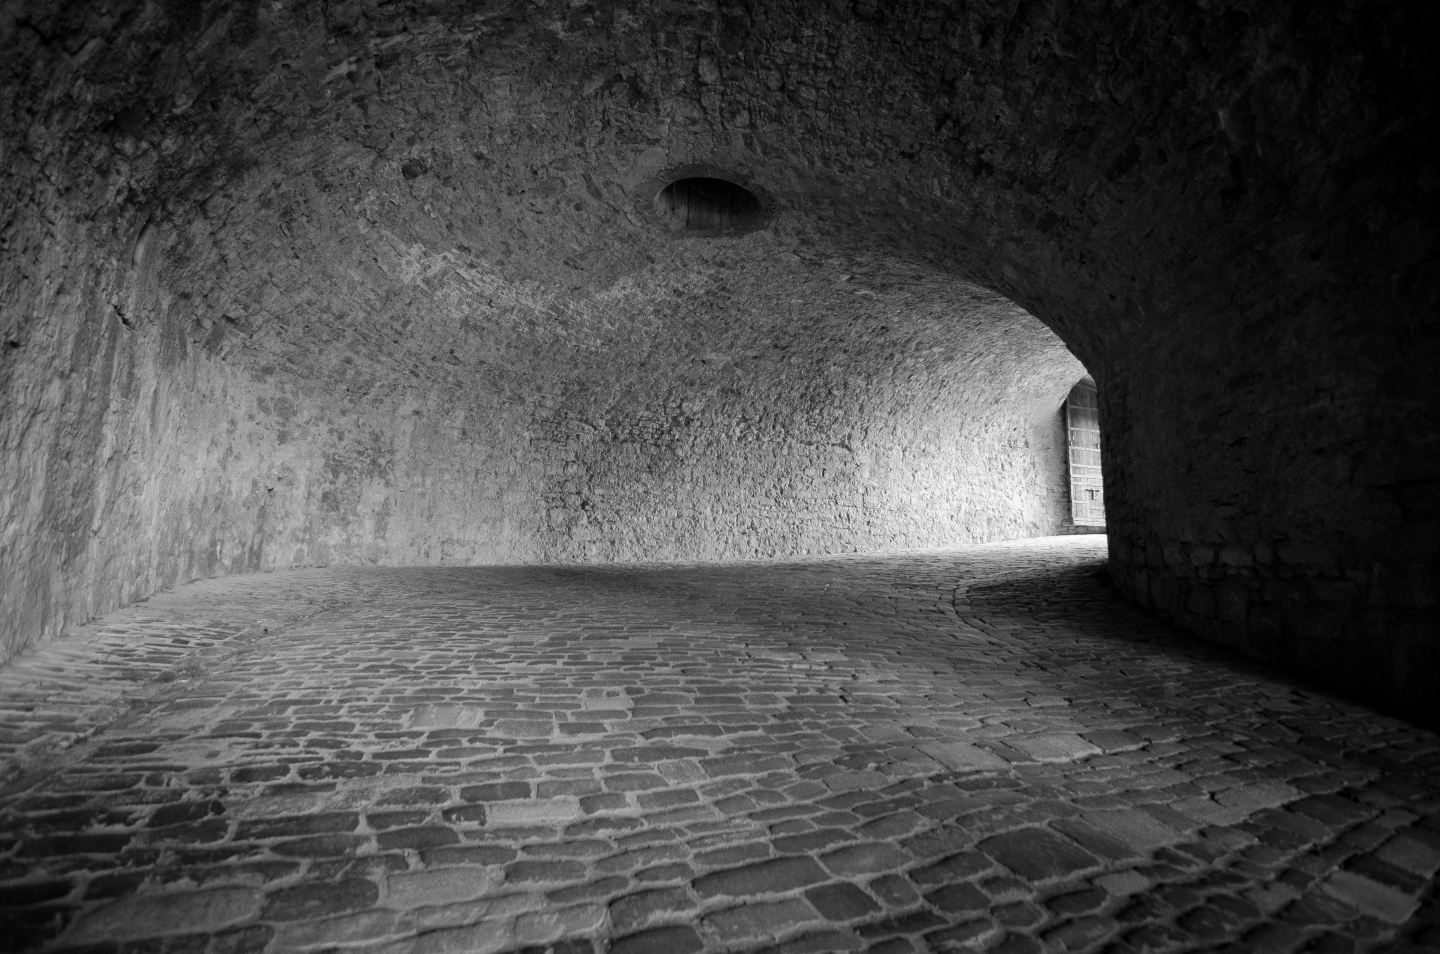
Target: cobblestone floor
[{"x": 980, "y": 749}]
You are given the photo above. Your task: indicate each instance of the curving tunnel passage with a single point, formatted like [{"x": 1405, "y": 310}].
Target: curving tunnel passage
[{"x": 388, "y": 283}]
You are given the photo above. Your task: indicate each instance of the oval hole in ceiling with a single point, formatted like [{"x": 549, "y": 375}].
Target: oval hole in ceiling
[{"x": 710, "y": 206}]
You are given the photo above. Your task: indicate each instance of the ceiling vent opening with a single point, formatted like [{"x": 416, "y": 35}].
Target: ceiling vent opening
[{"x": 709, "y": 206}]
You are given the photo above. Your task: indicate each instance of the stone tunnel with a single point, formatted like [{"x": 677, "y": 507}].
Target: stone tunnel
[{"x": 576, "y": 476}]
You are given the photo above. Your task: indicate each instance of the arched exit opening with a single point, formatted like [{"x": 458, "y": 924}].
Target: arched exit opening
[{"x": 1082, "y": 426}]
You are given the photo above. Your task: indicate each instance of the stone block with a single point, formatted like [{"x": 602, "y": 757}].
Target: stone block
[
  {"x": 856, "y": 780},
  {"x": 963, "y": 757},
  {"x": 1370, "y": 897},
  {"x": 319, "y": 899},
  {"x": 551, "y": 924},
  {"x": 958, "y": 898},
  {"x": 493, "y": 907},
  {"x": 777, "y": 875},
  {"x": 465, "y": 814},
  {"x": 871, "y": 858},
  {"x": 1080, "y": 934},
  {"x": 750, "y": 764},
  {"x": 673, "y": 939},
  {"x": 634, "y": 782},
  {"x": 1078, "y": 902},
  {"x": 636, "y": 910},
  {"x": 523, "y": 872},
  {"x": 1037, "y": 854},
  {"x": 468, "y": 855},
  {"x": 485, "y": 938},
  {"x": 321, "y": 846},
  {"x": 413, "y": 889},
  {"x": 1332, "y": 809},
  {"x": 1136, "y": 829},
  {"x": 251, "y": 939},
  {"x": 554, "y": 811},
  {"x": 381, "y": 821},
  {"x": 1122, "y": 884},
  {"x": 910, "y": 923},
  {"x": 841, "y": 901},
  {"x": 731, "y": 855},
  {"x": 653, "y": 754},
  {"x": 52, "y": 846},
  {"x": 415, "y": 795},
  {"x": 1113, "y": 740},
  {"x": 1252, "y": 798},
  {"x": 496, "y": 792},
  {"x": 668, "y": 799},
  {"x": 811, "y": 841},
  {"x": 184, "y": 812},
  {"x": 360, "y": 927},
  {"x": 891, "y": 826},
  {"x": 155, "y": 915},
  {"x": 1208, "y": 812},
  {"x": 1416, "y": 851},
  {"x": 957, "y": 867},
  {"x": 424, "y": 836},
  {"x": 756, "y": 922},
  {"x": 1054, "y": 747},
  {"x": 961, "y": 937}
]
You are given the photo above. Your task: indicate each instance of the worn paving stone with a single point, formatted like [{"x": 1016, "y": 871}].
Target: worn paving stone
[
  {"x": 841, "y": 901},
  {"x": 184, "y": 912},
  {"x": 755, "y": 922},
  {"x": 319, "y": 899},
  {"x": 675, "y": 939},
  {"x": 765, "y": 877},
  {"x": 962, "y": 750}
]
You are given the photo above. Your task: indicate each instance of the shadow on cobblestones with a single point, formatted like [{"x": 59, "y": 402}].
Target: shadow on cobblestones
[{"x": 979, "y": 749}]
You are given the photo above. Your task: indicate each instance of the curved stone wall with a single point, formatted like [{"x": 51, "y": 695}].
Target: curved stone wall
[{"x": 368, "y": 282}]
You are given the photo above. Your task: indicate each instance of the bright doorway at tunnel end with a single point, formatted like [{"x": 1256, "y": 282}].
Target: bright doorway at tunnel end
[{"x": 1082, "y": 428}]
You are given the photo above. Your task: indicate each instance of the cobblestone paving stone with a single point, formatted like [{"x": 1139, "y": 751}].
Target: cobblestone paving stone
[{"x": 978, "y": 749}]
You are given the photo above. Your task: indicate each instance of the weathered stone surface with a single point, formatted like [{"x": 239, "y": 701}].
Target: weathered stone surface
[
  {"x": 318, "y": 900},
  {"x": 365, "y": 926},
  {"x": 1136, "y": 829},
  {"x": 147, "y": 915},
  {"x": 962, "y": 757},
  {"x": 956, "y": 898},
  {"x": 841, "y": 901},
  {"x": 676, "y": 939},
  {"x": 862, "y": 859},
  {"x": 755, "y": 922},
  {"x": 1371, "y": 897},
  {"x": 1054, "y": 747},
  {"x": 1037, "y": 854},
  {"x": 551, "y": 811},
  {"x": 439, "y": 886},
  {"x": 781, "y": 874},
  {"x": 635, "y": 910},
  {"x": 1416, "y": 851}
]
